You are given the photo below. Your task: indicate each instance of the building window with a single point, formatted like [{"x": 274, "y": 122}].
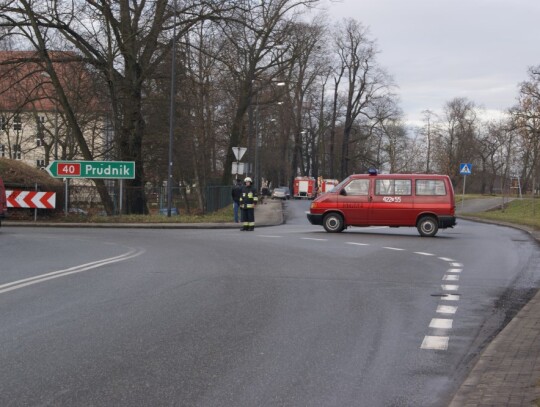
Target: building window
[
  {"x": 17, "y": 123},
  {"x": 2, "y": 150},
  {"x": 40, "y": 163},
  {"x": 3, "y": 123},
  {"x": 40, "y": 142},
  {"x": 16, "y": 152}
]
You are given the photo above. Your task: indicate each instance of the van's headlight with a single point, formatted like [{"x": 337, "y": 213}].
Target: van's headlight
[{"x": 313, "y": 205}]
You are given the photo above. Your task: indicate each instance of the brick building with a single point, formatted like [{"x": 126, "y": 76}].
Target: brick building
[{"x": 33, "y": 127}]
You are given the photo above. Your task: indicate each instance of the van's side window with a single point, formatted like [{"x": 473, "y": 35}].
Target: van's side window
[
  {"x": 357, "y": 187},
  {"x": 393, "y": 187},
  {"x": 430, "y": 187}
]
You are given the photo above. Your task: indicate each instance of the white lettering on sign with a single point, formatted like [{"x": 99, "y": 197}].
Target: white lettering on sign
[
  {"x": 392, "y": 199},
  {"x": 122, "y": 170}
]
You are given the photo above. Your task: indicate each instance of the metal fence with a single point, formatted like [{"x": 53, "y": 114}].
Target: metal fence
[{"x": 85, "y": 199}]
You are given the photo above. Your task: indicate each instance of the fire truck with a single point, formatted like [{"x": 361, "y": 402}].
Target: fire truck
[
  {"x": 304, "y": 187},
  {"x": 327, "y": 185}
]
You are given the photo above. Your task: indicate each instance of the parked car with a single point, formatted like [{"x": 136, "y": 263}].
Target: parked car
[
  {"x": 281, "y": 193},
  {"x": 77, "y": 211}
]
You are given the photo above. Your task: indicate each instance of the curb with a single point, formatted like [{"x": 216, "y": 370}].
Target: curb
[
  {"x": 507, "y": 371},
  {"x": 270, "y": 216}
]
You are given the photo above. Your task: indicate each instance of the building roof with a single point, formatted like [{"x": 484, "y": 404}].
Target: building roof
[{"x": 26, "y": 86}]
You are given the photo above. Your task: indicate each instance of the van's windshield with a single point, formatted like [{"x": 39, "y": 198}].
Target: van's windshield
[{"x": 340, "y": 185}]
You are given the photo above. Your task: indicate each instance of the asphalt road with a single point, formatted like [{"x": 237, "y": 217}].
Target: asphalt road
[{"x": 283, "y": 316}]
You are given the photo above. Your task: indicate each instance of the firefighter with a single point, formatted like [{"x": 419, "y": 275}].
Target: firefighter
[
  {"x": 236, "y": 192},
  {"x": 248, "y": 200}
]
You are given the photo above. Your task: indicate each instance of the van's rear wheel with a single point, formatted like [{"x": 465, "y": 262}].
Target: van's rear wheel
[
  {"x": 427, "y": 226},
  {"x": 333, "y": 223}
]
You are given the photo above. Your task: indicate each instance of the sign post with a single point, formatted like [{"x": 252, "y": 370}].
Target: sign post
[{"x": 464, "y": 169}]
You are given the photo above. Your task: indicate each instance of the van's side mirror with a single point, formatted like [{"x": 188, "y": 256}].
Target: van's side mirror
[{"x": 343, "y": 192}]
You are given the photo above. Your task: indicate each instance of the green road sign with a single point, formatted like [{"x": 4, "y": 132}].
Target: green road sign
[{"x": 92, "y": 169}]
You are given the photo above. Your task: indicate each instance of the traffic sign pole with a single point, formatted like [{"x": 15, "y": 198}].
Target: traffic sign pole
[
  {"x": 464, "y": 169},
  {"x": 463, "y": 196}
]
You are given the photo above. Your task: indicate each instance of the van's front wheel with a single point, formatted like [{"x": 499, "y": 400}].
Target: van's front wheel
[
  {"x": 427, "y": 226},
  {"x": 333, "y": 223}
]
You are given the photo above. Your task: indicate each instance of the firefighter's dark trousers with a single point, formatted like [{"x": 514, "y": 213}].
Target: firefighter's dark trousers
[{"x": 248, "y": 218}]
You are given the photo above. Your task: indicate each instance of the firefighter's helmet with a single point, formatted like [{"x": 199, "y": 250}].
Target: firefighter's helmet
[{"x": 247, "y": 179}]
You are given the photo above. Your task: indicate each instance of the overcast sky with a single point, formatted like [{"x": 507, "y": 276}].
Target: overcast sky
[{"x": 437, "y": 50}]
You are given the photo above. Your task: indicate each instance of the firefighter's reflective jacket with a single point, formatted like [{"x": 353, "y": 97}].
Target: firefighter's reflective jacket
[{"x": 248, "y": 198}]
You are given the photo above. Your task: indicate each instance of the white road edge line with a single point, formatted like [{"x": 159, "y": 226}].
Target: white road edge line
[
  {"x": 394, "y": 248},
  {"x": 312, "y": 238},
  {"x": 358, "y": 244},
  {"x": 424, "y": 254},
  {"x": 72, "y": 270}
]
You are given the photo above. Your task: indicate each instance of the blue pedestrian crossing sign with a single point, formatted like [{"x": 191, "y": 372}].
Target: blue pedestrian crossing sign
[{"x": 465, "y": 169}]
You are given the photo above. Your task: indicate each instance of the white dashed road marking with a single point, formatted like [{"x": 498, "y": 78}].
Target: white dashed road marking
[
  {"x": 312, "y": 238},
  {"x": 441, "y": 323},
  {"x": 446, "y": 309},
  {"x": 435, "y": 342},
  {"x": 450, "y": 297}
]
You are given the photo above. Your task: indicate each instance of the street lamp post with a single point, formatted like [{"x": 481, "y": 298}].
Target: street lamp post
[
  {"x": 171, "y": 117},
  {"x": 255, "y": 129}
]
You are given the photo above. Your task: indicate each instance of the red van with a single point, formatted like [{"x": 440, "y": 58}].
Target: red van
[
  {"x": 3, "y": 201},
  {"x": 424, "y": 201}
]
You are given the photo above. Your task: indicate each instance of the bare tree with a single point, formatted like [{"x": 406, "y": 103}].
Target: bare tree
[
  {"x": 306, "y": 66},
  {"x": 125, "y": 42},
  {"x": 367, "y": 83},
  {"x": 255, "y": 54},
  {"x": 526, "y": 116},
  {"x": 428, "y": 131},
  {"x": 456, "y": 143}
]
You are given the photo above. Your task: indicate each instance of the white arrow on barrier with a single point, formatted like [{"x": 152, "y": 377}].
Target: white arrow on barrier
[{"x": 31, "y": 199}]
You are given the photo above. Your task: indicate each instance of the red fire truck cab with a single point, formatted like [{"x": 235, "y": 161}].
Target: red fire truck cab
[
  {"x": 304, "y": 187},
  {"x": 327, "y": 185},
  {"x": 424, "y": 201}
]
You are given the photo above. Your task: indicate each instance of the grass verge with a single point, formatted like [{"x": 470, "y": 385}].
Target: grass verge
[
  {"x": 224, "y": 215},
  {"x": 519, "y": 211}
]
